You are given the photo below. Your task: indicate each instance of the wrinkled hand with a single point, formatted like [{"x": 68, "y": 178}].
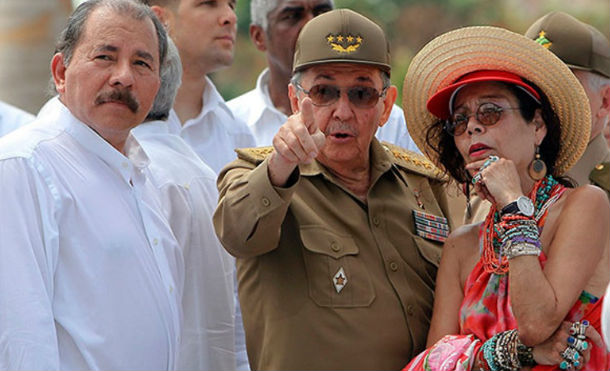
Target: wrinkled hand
[
  {"x": 297, "y": 142},
  {"x": 549, "y": 352},
  {"x": 500, "y": 182}
]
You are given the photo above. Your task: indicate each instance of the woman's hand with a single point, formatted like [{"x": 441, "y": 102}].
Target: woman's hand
[
  {"x": 498, "y": 181},
  {"x": 551, "y": 351}
]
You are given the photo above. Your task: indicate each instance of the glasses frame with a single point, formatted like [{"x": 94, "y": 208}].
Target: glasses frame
[
  {"x": 374, "y": 101},
  {"x": 450, "y": 126}
]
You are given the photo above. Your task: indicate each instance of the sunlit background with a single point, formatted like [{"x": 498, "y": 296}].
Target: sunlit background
[{"x": 28, "y": 29}]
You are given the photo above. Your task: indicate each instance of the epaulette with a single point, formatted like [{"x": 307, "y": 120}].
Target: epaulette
[
  {"x": 600, "y": 176},
  {"x": 414, "y": 162},
  {"x": 254, "y": 155}
]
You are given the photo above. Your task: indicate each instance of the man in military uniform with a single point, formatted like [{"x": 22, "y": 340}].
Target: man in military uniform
[
  {"x": 338, "y": 237},
  {"x": 587, "y": 52}
]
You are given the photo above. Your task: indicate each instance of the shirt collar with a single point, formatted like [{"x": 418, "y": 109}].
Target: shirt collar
[
  {"x": 212, "y": 100},
  {"x": 134, "y": 159},
  {"x": 380, "y": 163}
]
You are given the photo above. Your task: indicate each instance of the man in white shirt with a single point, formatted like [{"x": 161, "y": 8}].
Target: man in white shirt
[
  {"x": 204, "y": 33},
  {"x": 12, "y": 117},
  {"x": 189, "y": 196},
  {"x": 90, "y": 271},
  {"x": 274, "y": 29}
]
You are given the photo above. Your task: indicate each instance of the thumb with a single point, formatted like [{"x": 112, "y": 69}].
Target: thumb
[
  {"x": 318, "y": 138},
  {"x": 307, "y": 115}
]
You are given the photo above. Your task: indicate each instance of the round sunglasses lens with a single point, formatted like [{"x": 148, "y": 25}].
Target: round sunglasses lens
[
  {"x": 363, "y": 96},
  {"x": 324, "y": 94}
]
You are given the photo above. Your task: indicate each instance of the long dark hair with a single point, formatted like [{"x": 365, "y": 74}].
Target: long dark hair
[{"x": 453, "y": 162}]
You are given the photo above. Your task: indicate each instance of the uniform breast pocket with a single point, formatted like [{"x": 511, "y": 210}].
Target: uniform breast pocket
[
  {"x": 336, "y": 273},
  {"x": 430, "y": 252}
]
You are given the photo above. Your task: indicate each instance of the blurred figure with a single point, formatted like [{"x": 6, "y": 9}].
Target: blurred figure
[
  {"x": 90, "y": 271},
  {"x": 12, "y": 117},
  {"x": 189, "y": 196},
  {"x": 274, "y": 29},
  {"x": 200, "y": 115},
  {"x": 587, "y": 52}
]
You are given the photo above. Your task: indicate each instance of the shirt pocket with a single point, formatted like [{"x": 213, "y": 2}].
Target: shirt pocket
[
  {"x": 330, "y": 260},
  {"x": 430, "y": 253}
]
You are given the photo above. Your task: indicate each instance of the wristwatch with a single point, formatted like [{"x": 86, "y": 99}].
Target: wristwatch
[{"x": 523, "y": 205}]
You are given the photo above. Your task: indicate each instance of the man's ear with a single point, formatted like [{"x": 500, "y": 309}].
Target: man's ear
[
  {"x": 257, "y": 35},
  {"x": 165, "y": 15},
  {"x": 58, "y": 71},
  {"x": 294, "y": 98},
  {"x": 388, "y": 103}
]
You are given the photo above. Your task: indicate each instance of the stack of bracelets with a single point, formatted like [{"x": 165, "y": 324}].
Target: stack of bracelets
[
  {"x": 520, "y": 236},
  {"x": 505, "y": 352}
]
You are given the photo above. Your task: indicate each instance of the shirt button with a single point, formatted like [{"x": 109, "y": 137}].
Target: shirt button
[
  {"x": 393, "y": 266},
  {"x": 171, "y": 289},
  {"x": 375, "y": 220},
  {"x": 265, "y": 201},
  {"x": 335, "y": 247},
  {"x": 155, "y": 241},
  {"x": 410, "y": 309}
]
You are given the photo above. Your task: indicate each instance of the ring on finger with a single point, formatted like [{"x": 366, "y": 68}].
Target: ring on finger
[
  {"x": 578, "y": 344},
  {"x": 565, "y": 365},
  {"x": 570, "y": 354}
]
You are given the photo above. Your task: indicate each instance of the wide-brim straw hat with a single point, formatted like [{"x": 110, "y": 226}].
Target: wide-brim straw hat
[{"x": 451, "y": 55}]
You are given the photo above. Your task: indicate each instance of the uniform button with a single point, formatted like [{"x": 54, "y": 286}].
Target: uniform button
[
  {"x": 393, "y": 266},
  {"x": 410, "y": 310},
  {"x": 600, "y": 167},
  {"x": 335, "y": 247},
  {"x": 375, "y": 220},
  {"x": 265, "y": 201}
]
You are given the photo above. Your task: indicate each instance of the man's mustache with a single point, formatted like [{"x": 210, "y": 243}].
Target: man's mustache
[{"x": 119, "y": 95}]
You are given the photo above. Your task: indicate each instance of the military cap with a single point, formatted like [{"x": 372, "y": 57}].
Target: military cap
[
  {"x": 341, "y": 35},
  {"x": 577, "y": 44}
]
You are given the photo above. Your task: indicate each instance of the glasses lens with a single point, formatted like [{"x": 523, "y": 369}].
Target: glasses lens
[
  {"x": 363, "y": 96},
  {"x": 323, "y": 95},
  {"x": 457, "y": 125},
  {"x": 489, "y": 113}
]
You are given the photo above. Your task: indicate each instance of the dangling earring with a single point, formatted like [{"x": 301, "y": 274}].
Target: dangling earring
[{"x": 537, "y": 168}]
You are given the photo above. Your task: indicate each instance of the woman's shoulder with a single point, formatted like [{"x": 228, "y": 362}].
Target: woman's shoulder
[
  {"x": 464, "y": 239},
  {"x": 586, "y": 198}
]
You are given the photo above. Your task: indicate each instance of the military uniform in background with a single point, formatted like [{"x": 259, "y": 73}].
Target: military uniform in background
[{"x": 327, "y": 281}]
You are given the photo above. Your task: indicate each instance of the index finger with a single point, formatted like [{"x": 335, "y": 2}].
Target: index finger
[{"x": 307, "y": 115}]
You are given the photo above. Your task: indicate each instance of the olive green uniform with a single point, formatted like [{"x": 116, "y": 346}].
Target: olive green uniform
[{"x": 292, "y": 243}]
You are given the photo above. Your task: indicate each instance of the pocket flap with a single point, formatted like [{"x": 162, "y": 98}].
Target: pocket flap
[
  {"x": 324, "y": 241},
  {"x": 429, "y": 251}
]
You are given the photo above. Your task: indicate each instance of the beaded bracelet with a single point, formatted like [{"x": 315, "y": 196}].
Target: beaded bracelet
[{"x": 505, "y": 352}]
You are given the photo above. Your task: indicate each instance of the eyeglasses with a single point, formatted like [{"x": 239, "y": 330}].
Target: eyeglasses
[
  {"x": 359, "y": 96},
  {"x": 487, "y": 114}
]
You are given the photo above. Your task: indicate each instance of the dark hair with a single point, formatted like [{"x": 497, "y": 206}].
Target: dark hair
[
  {"x": 70, "y": 36},
  {"x": 453, "y": 162}
]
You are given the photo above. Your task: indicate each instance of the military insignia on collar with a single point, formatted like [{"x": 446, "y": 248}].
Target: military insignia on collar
[
  {"x": 344, "y": 44},
  {"x": 542, "y": 40},
  {"x": 340, "y": 280}
]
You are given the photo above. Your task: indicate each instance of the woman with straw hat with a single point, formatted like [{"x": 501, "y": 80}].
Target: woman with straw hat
[{"x": 523, "y": 289}]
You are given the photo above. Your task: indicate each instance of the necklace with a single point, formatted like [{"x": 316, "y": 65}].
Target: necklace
[{"x": 544, "y": 193}]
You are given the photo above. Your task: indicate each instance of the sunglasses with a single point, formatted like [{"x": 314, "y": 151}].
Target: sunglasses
[
  {"x": 359, "y": 96},
  {"x": 487, "y": 114}
]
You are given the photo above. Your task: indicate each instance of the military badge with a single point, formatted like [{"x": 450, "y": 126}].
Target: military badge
[{"x": 344, "y": 44}]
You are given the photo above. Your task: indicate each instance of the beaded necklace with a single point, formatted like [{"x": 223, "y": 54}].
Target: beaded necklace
[{"x": 545, "y": 191}]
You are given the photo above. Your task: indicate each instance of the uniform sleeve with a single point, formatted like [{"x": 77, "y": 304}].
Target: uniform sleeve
[
  {"x": 250, "y": 210},
  {"x": 28, "y": 250}
]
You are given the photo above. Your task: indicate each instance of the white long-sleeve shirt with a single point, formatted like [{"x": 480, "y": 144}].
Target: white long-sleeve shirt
[
  {"x": 189, "y": 196},
  {"x": 12, "y": 117},
  {"x": 215, "y": 133},
  {"x": 256, "y": 109},
  {"x": 90, "y": 272}
]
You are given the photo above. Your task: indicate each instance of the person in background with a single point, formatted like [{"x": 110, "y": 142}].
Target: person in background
[
  {"x": 90, "y": 271},
  {"x": 200, "y": 115},
  {"x": 189, "y": 196},
  {"x": 587, "y": 52},
  {"x": 332, "y": 229},
  {"x": 12, "y": 118},
  {"x": 274, "y": 29},
  {"x": 524, "y": 288}
]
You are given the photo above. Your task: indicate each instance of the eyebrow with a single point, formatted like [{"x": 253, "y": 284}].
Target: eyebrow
[{"x": 111, "y": 48}]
